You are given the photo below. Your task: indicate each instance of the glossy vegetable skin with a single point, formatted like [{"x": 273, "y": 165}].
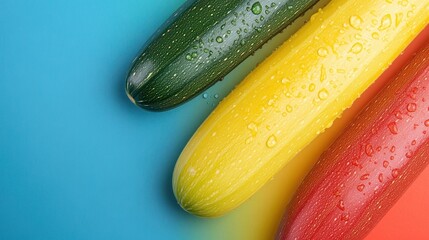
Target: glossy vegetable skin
[
  {"x": 370, "y": 165},
  {"x": 290, "y": 98},
  {"x": 201, "y": 43}
]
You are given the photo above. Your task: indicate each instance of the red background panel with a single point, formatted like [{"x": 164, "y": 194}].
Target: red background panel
[{"x": 409, "y": 218}]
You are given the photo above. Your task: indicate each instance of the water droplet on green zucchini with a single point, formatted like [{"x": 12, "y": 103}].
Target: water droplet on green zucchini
[{"x": 257, "y": 8}]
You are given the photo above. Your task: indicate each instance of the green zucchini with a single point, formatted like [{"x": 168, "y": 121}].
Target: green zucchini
[{"x": 202, "y": 42}]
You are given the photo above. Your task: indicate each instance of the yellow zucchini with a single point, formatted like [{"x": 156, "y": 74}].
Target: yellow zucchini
[{"x": 288, "y": 100}]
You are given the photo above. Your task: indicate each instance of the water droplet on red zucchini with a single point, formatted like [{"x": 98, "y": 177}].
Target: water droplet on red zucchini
[
  {"x": 393, "y": 128},
  {"x": 364, "y": 177},
  {"x": 345, "y": 217},
  {"x": 340, "y": 205},
  {"x": 411, "y": 107},
  {"x": 409, "y": 154},
  {"x": 369, "y": 150},
  {"x": 385, "y": 164},
  {"x": 395, "y": 173},
  {"x": 380, "y": 177}
]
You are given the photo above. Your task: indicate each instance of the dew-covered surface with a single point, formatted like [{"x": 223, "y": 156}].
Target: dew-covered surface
[
  {"x": 201, "y": 43},
  {"x": 360, "y": 177},
  {"x": 263, "y": 117}
]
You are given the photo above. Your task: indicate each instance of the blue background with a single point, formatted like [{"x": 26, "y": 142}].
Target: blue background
[{"x": 77, "y": 159}]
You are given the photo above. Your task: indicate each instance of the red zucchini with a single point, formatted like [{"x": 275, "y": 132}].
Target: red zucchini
[{"x": 358, "y": 179}]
